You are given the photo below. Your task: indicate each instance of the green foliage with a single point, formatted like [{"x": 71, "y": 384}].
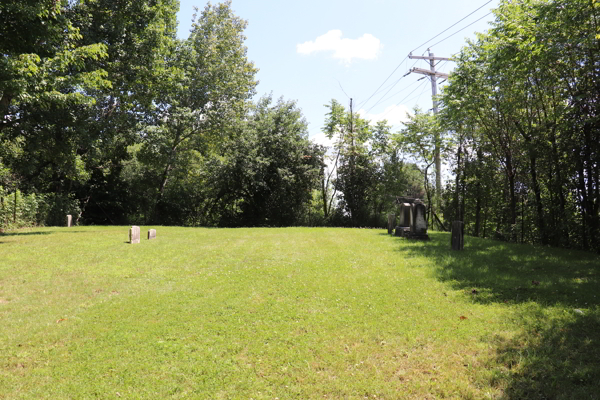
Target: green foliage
[
  {"x": 369, "y": 170},
  {"x": 268, "y": 172},
  {"x": 523, "y": 102},
  {"x": 18, "y": 210},
  {"x": 421, "y": 138}
]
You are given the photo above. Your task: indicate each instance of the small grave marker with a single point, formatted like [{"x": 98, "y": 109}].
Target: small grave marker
[
  {"x": 134, "y": 234},
  {"x": 69, "y": 220},
  {"x": 391, "y": 223},
  {"x": 151, "y": 234}
]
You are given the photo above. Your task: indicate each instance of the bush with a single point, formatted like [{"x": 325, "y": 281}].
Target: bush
[{"x": 18, "y": 210}]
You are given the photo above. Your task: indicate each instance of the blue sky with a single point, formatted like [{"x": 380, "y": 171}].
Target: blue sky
[{"x": 310, "y": 50}]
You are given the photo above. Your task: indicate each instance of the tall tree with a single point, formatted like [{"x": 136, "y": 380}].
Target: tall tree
[{"x": 209, "y": 85}]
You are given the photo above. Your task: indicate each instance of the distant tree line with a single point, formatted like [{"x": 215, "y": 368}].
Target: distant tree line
[{"x": 106, "y": 115}]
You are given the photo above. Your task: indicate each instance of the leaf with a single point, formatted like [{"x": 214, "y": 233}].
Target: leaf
[
  {"x": 462, "y": 317},
  {"x": 58, "y": 321}
]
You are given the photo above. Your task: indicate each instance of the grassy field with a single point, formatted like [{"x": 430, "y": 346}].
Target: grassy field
[{"x": 294, "y": 313}]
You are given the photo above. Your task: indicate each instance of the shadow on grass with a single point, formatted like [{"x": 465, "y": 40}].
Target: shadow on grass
[
  {"x": 557, "y": 303},
  {"x": 24, "y": 233}
]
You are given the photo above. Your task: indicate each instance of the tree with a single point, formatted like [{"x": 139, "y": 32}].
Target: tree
[
  {"x": 209, "y": 83},
  {"x": 420, "y": 138},
  {"x": 354, "y": 166},
  {"x": 42, "y": 61},
  {"x": 267, "y": 175},
  {"x": 528, "y": 87}
]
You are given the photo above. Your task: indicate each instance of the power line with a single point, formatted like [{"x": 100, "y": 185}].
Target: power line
[
  {"x": 364, "y": 102},
  {"x": 386, "y": 79},
  {"x": 340, "y": 83},
  {"x": 385, "y": 94},
  {"x": 461, "y": 29},
  {"x": 420, "y": 94},
  {"x": 401, "y": 101},
  {"x": 451, "y": 26},
  {"x": 401, "y": 90}
]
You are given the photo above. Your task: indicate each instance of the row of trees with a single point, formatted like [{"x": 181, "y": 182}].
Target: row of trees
[
  {"x": 106, "y": 115},
  {"x": 523, "y": 106}
]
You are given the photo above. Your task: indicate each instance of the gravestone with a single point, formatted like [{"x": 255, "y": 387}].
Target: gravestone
[
  {"x": 457, "y": 240},
  {"x": 412, "y": 221},
  {"x": 391, "y": 223},
  {"x": 419, "y": 223},
  {"x": 134, "y": 234},
  {"x": 69, "y": 220},
  {"x": 151, "y": 234},
  {"x": 404, "y": 219}
]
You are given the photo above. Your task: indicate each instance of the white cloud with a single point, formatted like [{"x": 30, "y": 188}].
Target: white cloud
[
  {"x": 395, "y": 115},
  {"x": 366, "y": 47}
]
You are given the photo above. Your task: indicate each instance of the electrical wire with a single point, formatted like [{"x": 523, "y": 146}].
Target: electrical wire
[
  {"x": 340, "y": 83},
  {"x": 401, "y": 101},
  {"x": 418, "y": 97},
  {"x": 451, "y": 26},
  {"x": 364, "y": 102},
  {"x": 386, "y": 79},
  {"x": 402, "y": 90},
  {"x": 394, "y": 85},
  {"x": 461, "y": 29}
]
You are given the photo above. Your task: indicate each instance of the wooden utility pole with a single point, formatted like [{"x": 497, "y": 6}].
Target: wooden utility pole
[{"x": 433, "y": 75}]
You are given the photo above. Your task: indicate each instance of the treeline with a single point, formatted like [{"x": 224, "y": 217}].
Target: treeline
[
  {"x": 108, "y": 116},
  {"x": 523, "y": 111}
]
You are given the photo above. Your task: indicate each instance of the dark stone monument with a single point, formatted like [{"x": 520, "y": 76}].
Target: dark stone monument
[
  {"x": 134, "y": 234},
  {"x": 413, "y": 222},
  {"x": 69, "y": 220},
  {"x": 151, "y": 234},
  {"x": 391, "y": 223},
  {"x": 457, "y": 240}
]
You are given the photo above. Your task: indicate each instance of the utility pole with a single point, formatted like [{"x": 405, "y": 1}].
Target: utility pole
[{"x": 433, "y": 75}]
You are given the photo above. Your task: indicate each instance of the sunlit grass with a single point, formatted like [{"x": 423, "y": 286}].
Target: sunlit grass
[{"x": 292, "y": 313}]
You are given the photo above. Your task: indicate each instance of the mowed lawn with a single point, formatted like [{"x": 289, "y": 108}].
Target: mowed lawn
[{"x": 293, "y": 313}]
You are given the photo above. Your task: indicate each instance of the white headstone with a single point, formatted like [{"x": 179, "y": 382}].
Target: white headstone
[
  {"x": 151, "y": 234},
  {"x": 69, "y": 220},
  {"x": 134, "y": 234}
]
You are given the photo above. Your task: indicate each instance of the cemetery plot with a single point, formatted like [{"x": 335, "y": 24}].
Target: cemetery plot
[{"x": 293, "y": 313}]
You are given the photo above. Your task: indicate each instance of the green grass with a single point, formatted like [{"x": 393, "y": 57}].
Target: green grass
[{"x": 293, "y": 313}]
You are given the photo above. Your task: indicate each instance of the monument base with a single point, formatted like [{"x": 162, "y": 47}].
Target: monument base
[
  {"x": 416, "y": 236},
  {"x": 402, "y": 231}
]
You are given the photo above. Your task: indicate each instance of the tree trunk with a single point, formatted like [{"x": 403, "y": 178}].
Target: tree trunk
[
  {"x": 538, "y": 198},
  {"x": 458, "y": 170},
  {"x": 591, "y": 207},
  {"x": 563, "y": 226},
  {"x": 513, "y": 197},
  {"x": 478, "y": 193},
  {"x": 583, "y": 204},
  {"x": 324, "y": 192}
]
